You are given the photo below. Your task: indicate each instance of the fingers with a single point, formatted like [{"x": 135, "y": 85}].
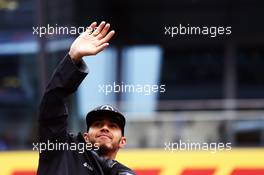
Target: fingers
[
  {"x": 104, "y": 31},
  {"x": 101, "y": 47},
  {"x": 107, "y": 37},
  {"x": 93, "y": 25},
  {"x": 99, "y": 29},
  {"x": 90, "y": 29}
]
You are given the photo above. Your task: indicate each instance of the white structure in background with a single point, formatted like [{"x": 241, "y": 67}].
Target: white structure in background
[
  {"x": 102, "y": 71},
  {"x": 140, "y": 66}
]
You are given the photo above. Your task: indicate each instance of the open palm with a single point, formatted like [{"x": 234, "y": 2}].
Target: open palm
[{"x": 92, "y": 41}]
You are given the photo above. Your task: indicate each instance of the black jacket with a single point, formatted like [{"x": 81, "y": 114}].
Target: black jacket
[{"x": 53, "y": 116}]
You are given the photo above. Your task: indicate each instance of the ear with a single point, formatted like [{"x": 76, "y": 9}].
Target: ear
[
  {"x": 122, "y": 142},
  {"x": 86, "y": 136}
]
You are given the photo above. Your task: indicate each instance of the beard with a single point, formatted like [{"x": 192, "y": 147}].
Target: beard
[{"x": 105, "y": 148}]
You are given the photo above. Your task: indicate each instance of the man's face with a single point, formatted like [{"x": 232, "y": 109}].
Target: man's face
[{"x": 107, "y": 134}]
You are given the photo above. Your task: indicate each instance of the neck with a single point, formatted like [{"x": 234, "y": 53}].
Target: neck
[{"x": 108, "y": 155}]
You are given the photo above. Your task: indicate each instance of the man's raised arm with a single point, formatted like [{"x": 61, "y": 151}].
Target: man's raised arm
[{"x": 66, "y": 79}]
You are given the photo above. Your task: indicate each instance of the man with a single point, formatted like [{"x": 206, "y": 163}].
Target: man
[{"x": 105, "y": 124}]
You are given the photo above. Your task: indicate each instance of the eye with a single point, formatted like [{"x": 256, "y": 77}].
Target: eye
[
  {"x": 113, "y": 125},
  {"x": 96, "y": 124}
]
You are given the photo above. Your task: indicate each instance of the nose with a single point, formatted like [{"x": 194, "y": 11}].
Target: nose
[{"x": 105, "y": 128}]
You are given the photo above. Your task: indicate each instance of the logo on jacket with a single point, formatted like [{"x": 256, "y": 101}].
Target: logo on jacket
[
  {"x": 85, "y": 164},
  {"x": 125, "y": 173}
]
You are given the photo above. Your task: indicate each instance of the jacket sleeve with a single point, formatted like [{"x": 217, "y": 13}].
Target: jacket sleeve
[{"x": 53, "y": 110}]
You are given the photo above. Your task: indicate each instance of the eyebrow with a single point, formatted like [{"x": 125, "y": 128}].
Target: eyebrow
[{"x": 108, "y": 121}]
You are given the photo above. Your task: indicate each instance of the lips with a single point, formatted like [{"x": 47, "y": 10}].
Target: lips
[{"x": 104, "y": 135}]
